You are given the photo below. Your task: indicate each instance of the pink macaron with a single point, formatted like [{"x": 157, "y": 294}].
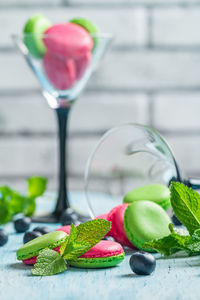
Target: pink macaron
[
  {"x": 81, "y": 64},
  {"x": 68, "y": 40},
  {"x": 102, "y": 255},
  {"x": 60, "y": 71},
  {"x": 116, "y": 217}
]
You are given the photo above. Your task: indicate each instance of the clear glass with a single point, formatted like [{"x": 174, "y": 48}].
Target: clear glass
[
  {"x": 126, "y": 157},
  {"x": 55, "y": 96},
  {"x": 62, "y": 78}
]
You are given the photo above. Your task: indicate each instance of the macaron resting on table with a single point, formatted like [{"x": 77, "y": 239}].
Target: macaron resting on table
[
  {"x": 31, "y": 249},
  {"x": 103, "y": 255},
  {"x": 145, "y": 221},
  {"x": 116, "y": 217}
]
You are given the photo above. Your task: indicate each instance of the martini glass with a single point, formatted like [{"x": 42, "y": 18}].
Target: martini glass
[
  {"x": 61, "y": 90},
  {"x": 126, "y": 157}
]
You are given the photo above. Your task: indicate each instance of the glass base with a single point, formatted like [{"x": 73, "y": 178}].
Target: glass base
[
  {"x": 51, "y": 218},
  {"x": 48, "y": 218}
]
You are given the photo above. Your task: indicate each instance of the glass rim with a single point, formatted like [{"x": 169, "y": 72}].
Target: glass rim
[{"x": 101, "y": 35}]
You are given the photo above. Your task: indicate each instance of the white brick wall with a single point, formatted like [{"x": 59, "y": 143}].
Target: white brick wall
[
  {"x": 150, "y": 76},
  {"x": 178, "y": 27},
  {"x": 144, "y": 69}
]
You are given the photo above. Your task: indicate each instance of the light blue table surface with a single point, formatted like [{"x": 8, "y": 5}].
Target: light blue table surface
[{"x": 173, "y": 279}]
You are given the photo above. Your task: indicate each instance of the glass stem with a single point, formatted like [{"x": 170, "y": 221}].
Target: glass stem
[{"x": 62, "y": 201}]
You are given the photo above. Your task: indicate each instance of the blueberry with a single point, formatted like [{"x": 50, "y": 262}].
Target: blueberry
[
  {"x": 3, "y": 237},
  {"x": 42, "y": 229},
  {"x": 176, "y": 221},
  {"x": 142, "y": 263},
  {"x": 31, "y": 235},
  {"x": 68, "y": 217},
  {"x": 22, "y": 224},
  {"x": 109, "y": 238}
]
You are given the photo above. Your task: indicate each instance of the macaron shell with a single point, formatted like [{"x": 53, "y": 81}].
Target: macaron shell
[
  {"x": 157, "y": 193},
  {"x": 33, "y": 30},
  {"x": 50, "y": 240},
  {"x": 97, "y": 263},
  {"x": 145, "y": 221},
  {"x": 103, "y": 249},
  {"x": 61, "y": 72},
  {"x": 68, "y": 40},
  {"x": 116, "y": 216},
  {"x": 104, "y": 254}
]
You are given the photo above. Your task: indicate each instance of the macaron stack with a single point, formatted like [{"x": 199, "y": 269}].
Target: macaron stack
[
  {"x": 102, "y": 255},
  {"x": 65, "y": 48},
  {"x": 142, "y": 217}
]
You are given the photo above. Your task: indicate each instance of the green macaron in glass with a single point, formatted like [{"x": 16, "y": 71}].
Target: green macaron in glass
[
  {"x": 33, "y": 30},
  {"x": 157, "y": 193},
  {"x": 90, "y": 27},
  {"x": 145, "y": 221}
]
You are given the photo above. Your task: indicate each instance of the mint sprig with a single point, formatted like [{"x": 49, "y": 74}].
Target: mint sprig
[
  {"x": 186, "y": 205},
  {"x": 80, "y": 240},
  {"x": 13, "y": 202}
]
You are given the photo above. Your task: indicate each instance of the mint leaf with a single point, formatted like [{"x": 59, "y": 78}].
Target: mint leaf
[
  {"x": 83, "y": 237},
  {"x": 13, "y": 202},
  {"x": 186, "y": 205},
  {"x": 71, "y": 248},
  {"x": 169, "y": 244},
  {"x": 49, "y": 262},
  {"x": 36, "y": 186},
  {"x": 193, "y": 246}
]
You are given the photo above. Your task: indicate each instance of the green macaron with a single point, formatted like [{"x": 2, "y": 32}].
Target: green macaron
[
  {"x": 90, "y": 27},
  {"x": 105, "y": 254},
  {"x": 97, "y": 263},
  {"x": 145, "y": 221},
  {"x": 157, "y": 193},
  {"x": 50, "y": 240},
  {"x": 33, "y": 30}
]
